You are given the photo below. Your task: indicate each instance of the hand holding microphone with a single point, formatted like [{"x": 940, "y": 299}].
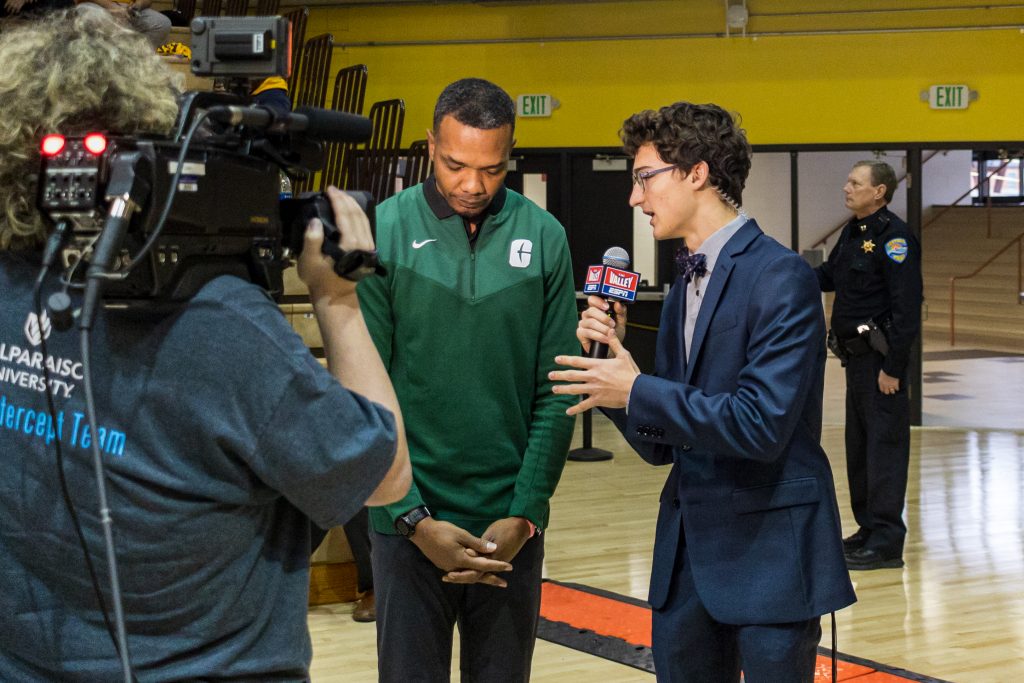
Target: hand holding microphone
[
  {"x": 599, "y": 322},
  {"x": 610, "y": 286},
  {"x": 596, "y": 380}
]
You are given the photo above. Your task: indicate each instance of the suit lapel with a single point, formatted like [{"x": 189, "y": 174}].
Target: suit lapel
[{"x": 716, "y": 285}]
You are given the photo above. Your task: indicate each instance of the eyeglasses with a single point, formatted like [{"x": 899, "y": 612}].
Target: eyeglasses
[{"x": 640, "y": 177}]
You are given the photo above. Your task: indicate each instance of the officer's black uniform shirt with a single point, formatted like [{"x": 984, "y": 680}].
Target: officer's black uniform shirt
[{"x": 875, "y": 271}]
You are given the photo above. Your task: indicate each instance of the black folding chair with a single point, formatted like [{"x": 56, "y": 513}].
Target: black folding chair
[
  {"x": 297, "y": 18},
  {"x": 211, "y": 8},
  {"x": 310, "y": 90},
  {"x": 378, "y": 165},
  {"x": 349, "y": 93},
  {"x": 268, "y": 8},
  {"x": 236, "y": 8},
  {"x": 417, "y": 163},
  {"x": 181, "y": 12},
  {"x": 311, "y": 86}
]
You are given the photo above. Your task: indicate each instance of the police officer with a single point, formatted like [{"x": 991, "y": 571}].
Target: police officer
[{"x": 875, "y": 271}]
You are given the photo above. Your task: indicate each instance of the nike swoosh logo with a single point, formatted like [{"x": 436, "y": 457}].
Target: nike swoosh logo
[{"x": 417, "y": 245}]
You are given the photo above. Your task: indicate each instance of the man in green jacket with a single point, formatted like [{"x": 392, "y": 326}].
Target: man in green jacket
[{"x": 477, "y": 302}]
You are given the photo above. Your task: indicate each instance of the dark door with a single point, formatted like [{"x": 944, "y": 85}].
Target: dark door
[{"x": 532, "y": 171}]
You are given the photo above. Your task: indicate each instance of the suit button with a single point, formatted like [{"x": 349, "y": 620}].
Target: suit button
[{"x": 675, "y": 503}]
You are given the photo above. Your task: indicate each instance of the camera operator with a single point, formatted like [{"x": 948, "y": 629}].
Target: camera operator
[{"x": 221, "y": 436}]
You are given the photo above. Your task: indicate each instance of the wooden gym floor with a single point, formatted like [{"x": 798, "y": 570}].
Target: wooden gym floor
[{"x": 955, "y": 612}]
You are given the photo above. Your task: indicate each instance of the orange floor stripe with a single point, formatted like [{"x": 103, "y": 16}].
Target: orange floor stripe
[
  {"x": 601, "y": 615},
  {"x": 612, "y": 618}
]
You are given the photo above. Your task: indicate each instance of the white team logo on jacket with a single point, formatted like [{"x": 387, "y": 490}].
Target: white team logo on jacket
[
  {"x": 37, "y": 328},
  {"x": 519, "y": 253}
]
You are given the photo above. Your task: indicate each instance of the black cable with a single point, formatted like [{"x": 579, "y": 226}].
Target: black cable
[
  {"x": 105, "y": 520},
  {"x": 54, "y": 244},
  {"x": 835, "y": 647}
]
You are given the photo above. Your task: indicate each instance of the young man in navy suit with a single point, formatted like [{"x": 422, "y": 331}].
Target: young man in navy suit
[{"x": 748, "y": 551}]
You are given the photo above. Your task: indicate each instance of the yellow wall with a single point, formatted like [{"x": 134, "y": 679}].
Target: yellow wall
[{"x": 789, "y": 89}]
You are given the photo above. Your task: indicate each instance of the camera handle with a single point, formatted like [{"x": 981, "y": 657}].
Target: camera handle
[{"x": 352, "y": 265}]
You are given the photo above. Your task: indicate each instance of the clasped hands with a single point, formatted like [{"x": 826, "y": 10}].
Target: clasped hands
[
  {"x": 602, "y": 382},
  {"x": 468, "y": 559}
]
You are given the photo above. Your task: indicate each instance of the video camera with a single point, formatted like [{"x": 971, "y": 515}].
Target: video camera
[{"x": 160, "y": 217}]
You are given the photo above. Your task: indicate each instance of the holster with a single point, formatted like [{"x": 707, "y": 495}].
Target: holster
[
  {"x": 870, "y": 337},
  {"x": 836, "y": 347},
  {"x": 875, "y": 337}
]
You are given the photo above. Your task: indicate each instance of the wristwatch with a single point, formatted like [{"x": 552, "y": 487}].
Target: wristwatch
[{"x": 406, "y": 524}]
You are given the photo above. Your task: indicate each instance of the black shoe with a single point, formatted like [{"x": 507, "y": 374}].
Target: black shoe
[
  {"x": 867, "y": 558},
  {"x": 856, "y": 541}
]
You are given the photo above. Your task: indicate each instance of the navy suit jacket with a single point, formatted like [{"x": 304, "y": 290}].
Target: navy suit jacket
[{"x": 750, "y": 499}]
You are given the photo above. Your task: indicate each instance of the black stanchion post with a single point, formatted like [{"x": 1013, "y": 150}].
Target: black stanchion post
[{"x": 588, "y": 453}]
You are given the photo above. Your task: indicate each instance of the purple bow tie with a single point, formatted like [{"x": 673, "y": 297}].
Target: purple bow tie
[{"x": 691, "y": 265}]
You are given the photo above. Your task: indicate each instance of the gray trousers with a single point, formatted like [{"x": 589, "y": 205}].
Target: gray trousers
[
  {"x": 150, "y": 23},
  {"x": 417, "y": 613}
]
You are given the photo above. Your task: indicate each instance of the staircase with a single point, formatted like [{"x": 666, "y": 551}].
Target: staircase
[{"x": 988, "y": 313}]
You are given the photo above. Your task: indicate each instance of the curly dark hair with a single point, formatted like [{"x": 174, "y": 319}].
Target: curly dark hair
[
  {"x": 684, "y": 134},
  {"x": 476, "y": 103}
]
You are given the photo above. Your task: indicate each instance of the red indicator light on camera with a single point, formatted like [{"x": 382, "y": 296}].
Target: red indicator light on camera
[
  {"x": 96, "y": 143},
  {"x": 52, "y": 145}
]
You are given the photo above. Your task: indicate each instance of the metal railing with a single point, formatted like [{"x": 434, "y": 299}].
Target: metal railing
[
  {"x": 1019, "y": 241},
  {"x": 842, "y": 223},
  {"x": 988, "y": 201}
]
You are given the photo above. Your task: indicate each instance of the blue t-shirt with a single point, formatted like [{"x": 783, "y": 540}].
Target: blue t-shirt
[{"x": 221, "y": 437}]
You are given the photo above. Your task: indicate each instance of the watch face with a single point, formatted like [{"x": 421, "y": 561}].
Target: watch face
[{"x": 406, "y": 524}]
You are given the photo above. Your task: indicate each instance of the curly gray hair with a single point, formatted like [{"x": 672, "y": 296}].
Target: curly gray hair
[{"x": 70, "y": 72}]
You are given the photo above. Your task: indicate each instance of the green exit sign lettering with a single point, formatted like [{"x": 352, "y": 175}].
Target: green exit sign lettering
[
  {"x": 949, "y": 96},
  {"x": 534, "y": 105}
]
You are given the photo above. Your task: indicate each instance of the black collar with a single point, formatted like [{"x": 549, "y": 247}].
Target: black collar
[
  {"x": 875, "y": 222},
  {"x": 443, "y": 210}
]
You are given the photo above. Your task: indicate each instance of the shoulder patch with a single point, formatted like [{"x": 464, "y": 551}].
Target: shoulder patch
[{"x": 896, "y": 249}]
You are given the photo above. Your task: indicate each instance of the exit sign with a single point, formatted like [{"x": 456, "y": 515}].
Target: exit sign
[
  {"x": 535, "y": 105},
  {"x": 949, "y": 96}
]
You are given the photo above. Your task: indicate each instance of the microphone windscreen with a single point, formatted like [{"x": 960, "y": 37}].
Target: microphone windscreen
[
  {"x": 336, "y": 126},
  {"x": 616, "y": 257}
]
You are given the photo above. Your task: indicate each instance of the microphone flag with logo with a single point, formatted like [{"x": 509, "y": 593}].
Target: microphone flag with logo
[{"x": 614, "y": 282}]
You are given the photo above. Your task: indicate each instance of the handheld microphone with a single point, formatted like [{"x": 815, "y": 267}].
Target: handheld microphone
[
  {"x": 612, "y": 281},
  {"x": 322, "y": 124}
]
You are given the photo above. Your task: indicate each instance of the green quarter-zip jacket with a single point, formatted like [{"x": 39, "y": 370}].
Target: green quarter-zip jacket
[{"x": 468, "y": 329}]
